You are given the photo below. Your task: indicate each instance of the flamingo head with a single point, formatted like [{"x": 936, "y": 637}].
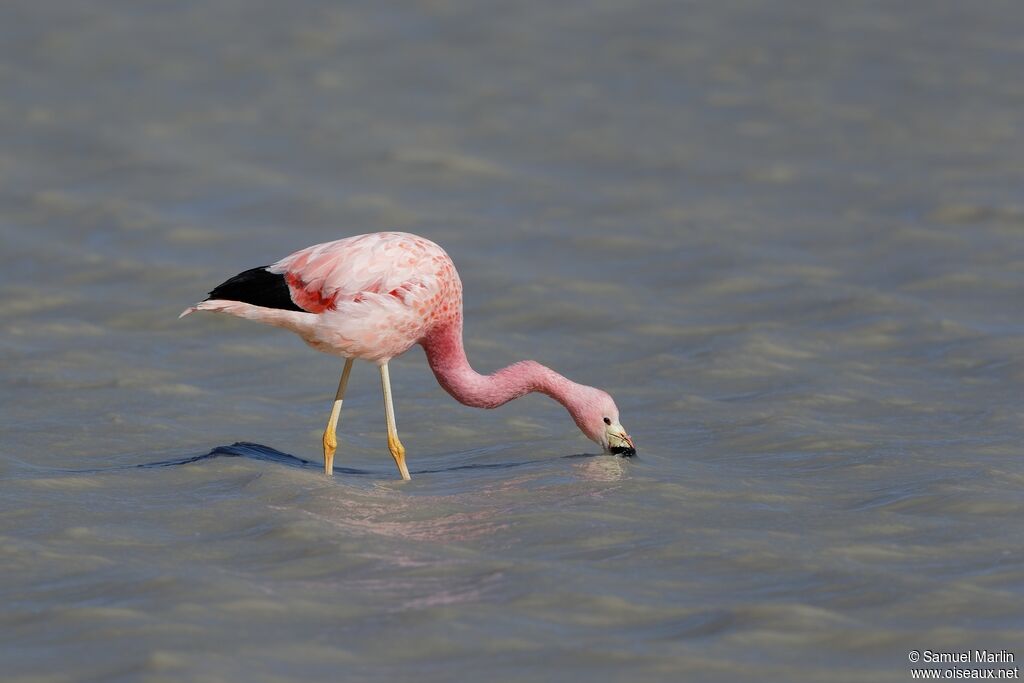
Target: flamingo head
[{"x": 598, "y": 418}]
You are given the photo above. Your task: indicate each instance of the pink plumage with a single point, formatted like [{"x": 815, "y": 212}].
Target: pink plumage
[
  {"x": 369, "y": 297},
  {"x": 372, "y": 297}
]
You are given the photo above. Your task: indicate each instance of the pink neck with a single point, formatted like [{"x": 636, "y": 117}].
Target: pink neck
[{"x": 448, "y": 360}]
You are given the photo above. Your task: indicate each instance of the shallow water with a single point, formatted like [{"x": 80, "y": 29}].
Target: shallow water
[{"x": 788, "y": 239}]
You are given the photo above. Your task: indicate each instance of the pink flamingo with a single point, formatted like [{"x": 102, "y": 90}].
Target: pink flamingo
[{"x": 372, "y": 297}]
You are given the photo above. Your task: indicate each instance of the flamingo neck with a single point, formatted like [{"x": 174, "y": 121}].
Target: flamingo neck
[{"x": 447, "y": 359}]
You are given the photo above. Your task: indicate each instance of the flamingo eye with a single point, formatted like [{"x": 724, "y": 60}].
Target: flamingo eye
[{"x": 607, "y": 421}]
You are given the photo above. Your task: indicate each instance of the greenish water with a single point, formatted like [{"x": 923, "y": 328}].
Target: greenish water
[{"x": 789, "y": 239}]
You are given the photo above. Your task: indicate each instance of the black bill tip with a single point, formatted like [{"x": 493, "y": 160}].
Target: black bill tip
[{"x": 624, "y": 451}]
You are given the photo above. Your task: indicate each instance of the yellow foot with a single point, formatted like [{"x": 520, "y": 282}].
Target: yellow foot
[
  {"x": 398, "y": 453},
  {"x": 330, "y": 446}
]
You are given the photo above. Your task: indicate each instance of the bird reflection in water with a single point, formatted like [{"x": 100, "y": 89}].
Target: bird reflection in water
[{"x": 602, "y": 468}]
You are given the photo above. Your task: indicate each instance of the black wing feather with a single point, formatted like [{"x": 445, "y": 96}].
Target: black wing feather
[{"x": 259, "y": 287}]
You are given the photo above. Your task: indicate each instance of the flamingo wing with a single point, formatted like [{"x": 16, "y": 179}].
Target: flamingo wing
[
  {"x": 322, "y": 277},
  {"x": 256, "y": 286}
]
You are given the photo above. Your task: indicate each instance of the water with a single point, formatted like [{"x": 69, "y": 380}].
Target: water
[{"x": 789, "y": 239}]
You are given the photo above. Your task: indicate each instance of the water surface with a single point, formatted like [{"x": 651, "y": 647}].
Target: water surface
[{"x": 788, "y": 239}]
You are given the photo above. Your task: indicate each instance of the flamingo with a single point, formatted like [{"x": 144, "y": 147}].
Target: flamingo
[{"x": 373, "y": 297}]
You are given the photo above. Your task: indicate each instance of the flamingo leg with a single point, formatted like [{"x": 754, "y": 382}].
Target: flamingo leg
[
  {"x": 330, "y": 434},
  {"x": 394, "y": 445}
]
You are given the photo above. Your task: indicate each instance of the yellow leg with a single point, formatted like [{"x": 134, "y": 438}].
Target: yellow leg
[
  {"x": 394, "y": 445},
  {"x": 330, "y": 434}
]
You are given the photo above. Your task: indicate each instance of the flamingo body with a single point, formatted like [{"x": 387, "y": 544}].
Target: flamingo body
[
  {"x": 369, "y": 297},
  {"x": 372, "y": 297}
]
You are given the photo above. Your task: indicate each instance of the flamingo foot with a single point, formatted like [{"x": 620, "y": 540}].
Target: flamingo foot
[
  {"x": 330, "y": 446},
  {"x": 398, "y": 453}
]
